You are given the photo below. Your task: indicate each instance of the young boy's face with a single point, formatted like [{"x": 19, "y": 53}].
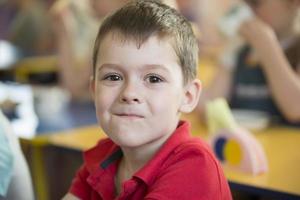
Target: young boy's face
[{"x": 139, "y": 92}]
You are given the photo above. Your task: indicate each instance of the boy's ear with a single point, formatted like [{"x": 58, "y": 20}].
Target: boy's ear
[
  {"x": 191, "y": 96},
  {"x": 92, "y": 86}
]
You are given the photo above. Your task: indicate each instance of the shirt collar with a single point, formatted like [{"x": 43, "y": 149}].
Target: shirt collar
[
  {"x": 149, "y": 171},
  {"x": 102, "y": 155},
  {"x": 101, "y": 162}
]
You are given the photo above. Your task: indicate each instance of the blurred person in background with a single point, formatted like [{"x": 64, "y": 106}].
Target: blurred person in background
[
  {"x": 265, "y": 72},
  {"x": 15, "y": 182},
  {"x": 75, "y": 24},
  {"x": 25, "y": 24},
  {"x": 204, "y": 14}
]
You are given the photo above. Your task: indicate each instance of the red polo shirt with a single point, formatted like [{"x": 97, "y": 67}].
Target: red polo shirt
[{"x": 184, "y": 169}]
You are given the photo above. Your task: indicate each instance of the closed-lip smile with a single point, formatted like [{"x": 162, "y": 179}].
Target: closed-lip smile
[{"x": 129, "y": 115}]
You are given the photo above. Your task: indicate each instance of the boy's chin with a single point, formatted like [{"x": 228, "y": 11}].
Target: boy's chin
[
  {"x": 128, "y": 144},
  {"x": 130, "y": 140}
]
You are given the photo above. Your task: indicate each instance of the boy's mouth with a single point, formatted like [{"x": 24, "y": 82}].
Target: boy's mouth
[{"x": 130, "y": 115}]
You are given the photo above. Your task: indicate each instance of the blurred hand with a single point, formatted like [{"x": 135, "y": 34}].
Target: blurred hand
[
  {"x": 257, "y": 33},
  {"x": 60, "y": 15}
]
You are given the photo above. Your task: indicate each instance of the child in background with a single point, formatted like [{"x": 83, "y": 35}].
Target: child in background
[
  {"x": 15, "y": 181},
  {"x": 145, "y": 63},
  {"x": 75, "y": 26},
  {"x": 266, "y": 73},
  {"x": 25, "y": 25}
]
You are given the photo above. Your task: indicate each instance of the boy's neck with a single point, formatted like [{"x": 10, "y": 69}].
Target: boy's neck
[{"x": 135, "y": 158}]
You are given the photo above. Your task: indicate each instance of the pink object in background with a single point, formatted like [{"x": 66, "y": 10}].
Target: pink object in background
[{"x": 237, "y": 148}]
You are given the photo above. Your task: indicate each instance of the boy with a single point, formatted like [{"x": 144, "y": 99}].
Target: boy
[{"x": 145, "y": 60}]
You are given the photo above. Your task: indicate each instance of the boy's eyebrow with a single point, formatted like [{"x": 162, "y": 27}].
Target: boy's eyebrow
[
  {"x": 147, "y": 67},
  {"x": 108, "y": 65},
  {"x": 156, "y": 66}
]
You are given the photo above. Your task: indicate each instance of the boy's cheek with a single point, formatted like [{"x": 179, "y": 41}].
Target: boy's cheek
[
  {"x": 166, "y": 103},
  {"x": 104, "y": 99}
]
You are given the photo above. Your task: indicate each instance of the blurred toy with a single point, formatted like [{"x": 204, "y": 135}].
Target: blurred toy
[
  {"x": 16, "y": 102},
  {"x": 234, "y": 145}
]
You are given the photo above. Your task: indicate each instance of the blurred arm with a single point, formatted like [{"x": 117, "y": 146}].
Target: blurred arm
[
  {"x": 284, "y": 82},
  {"x": 74, "y": 73}
]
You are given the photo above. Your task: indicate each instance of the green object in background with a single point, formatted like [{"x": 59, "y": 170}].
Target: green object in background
[{"x": 219, "y": 116}]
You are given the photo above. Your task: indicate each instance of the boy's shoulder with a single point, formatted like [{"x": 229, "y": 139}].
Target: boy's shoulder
[
  {"x": 195, "y": 147},
  {"x": 103, "y": 146},
  {"x": 194, "y": 143},
  {"x": 182, "y": 147},
  {"x": 192, "y": 168}
]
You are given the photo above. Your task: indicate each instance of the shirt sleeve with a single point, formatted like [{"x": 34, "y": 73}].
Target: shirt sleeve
[
  {"x": 197, "y": 177},
  {"x": 79, "y": 187}
]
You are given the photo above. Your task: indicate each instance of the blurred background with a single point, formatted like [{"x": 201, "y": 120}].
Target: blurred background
[{"x": 45, "y": 65}]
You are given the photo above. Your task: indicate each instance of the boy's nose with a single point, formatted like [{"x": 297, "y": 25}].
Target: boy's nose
[{"x": 130, "y": 94}]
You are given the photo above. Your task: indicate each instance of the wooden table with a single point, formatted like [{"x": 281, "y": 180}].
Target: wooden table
[{"x": 281, "y": 145}]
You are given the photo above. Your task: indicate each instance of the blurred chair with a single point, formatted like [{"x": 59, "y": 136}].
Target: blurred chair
[{"x": 37, "y": 70}]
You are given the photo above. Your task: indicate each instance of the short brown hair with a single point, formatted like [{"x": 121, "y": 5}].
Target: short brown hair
[{"x": 141, "y": 19}]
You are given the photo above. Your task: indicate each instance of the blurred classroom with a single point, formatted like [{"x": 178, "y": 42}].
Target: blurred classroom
[{"x": 45, "y": 67}]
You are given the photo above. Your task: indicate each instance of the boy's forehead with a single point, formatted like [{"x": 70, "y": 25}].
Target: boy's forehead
[
  {"x": 122, "y": 38},
  {"x": 114, "y": 40},
  {"x": 154, "y": 52}
]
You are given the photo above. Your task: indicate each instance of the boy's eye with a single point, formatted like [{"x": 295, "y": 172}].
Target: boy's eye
[
  {"x": 113, "y": 77},
  {"x": 154, "y": 78}
]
